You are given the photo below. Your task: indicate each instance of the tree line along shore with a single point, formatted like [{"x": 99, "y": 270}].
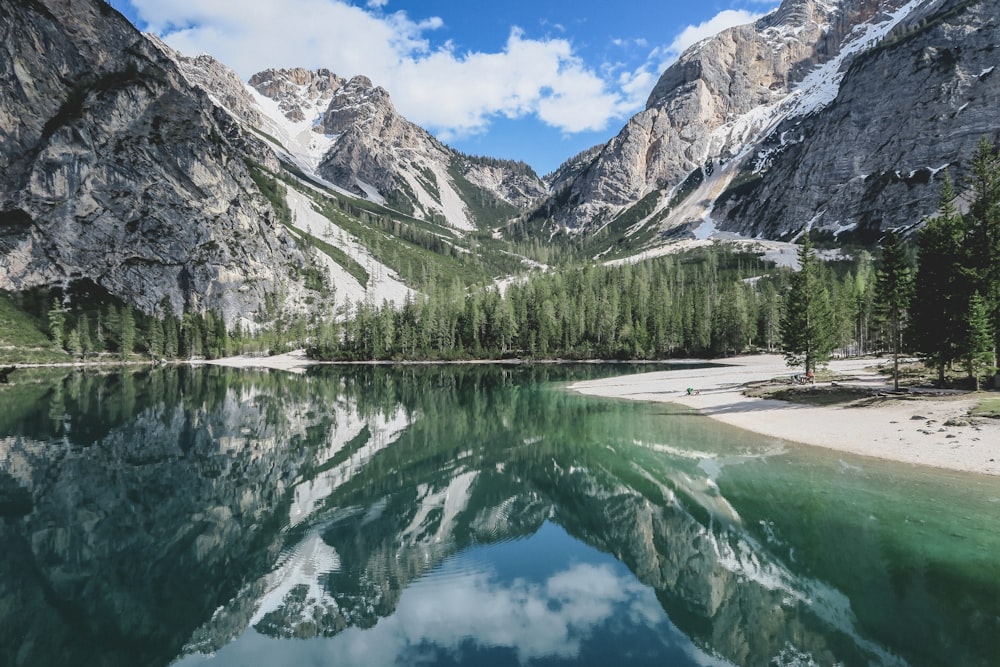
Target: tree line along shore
[{"x": 935, "y": 295}]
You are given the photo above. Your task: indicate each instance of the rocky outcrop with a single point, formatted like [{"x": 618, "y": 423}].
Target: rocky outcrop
[
  {"x": 113, "y": 168},
  {"x": 831, "y": 115},
  {"x": 297, "y": 91},
  {"x": 874, "y": 158},
  {"x": 703, "y": 107},
  {"x": 379, "y": 153},
  {"x": 221, "y": 84},
  {"x": 349, "y": 133}
]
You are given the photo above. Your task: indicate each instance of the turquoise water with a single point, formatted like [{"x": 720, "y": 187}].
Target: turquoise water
[{"x": 464, "y": 515}]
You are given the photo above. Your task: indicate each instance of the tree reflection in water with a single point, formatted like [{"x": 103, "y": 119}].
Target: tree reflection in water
[{"x": 411, "y": 512}]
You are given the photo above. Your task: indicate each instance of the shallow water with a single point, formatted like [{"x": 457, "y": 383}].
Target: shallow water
[{"x": 464, "y": 515}]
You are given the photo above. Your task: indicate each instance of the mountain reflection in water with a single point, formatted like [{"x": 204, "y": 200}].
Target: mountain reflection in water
[{"x": 463, "y": 515}]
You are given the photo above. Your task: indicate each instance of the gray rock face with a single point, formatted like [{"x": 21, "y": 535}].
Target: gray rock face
[
  {"x": 378, "y": 148},
  {"x": 810, "y": 116},
  {"x": 374, "y": 143},
  {"x": 355, "y": 138},
  {"x": 874, "y": 158},
  {"x": 221, "y": 83},
  {"x": 699, "y": 110},
  {"x": 297, "y": 90},
  {"x": 113, "y": 168}
]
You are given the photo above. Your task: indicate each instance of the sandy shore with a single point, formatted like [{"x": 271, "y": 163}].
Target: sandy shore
[
  {"x": 296, "y": 362},
  {"x": 925, "y": 430}
]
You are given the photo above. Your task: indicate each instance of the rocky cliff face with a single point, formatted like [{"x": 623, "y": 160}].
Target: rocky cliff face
[
  {"x": 830, "y": 114},
  {"x": 873, "y": 158},
  {"x": 113, "y": 168}
]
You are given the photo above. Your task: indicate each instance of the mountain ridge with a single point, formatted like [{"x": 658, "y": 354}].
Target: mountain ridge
[{"x": 161, "y": 176}]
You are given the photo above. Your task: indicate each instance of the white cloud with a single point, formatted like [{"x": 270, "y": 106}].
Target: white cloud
[
  {"x": 454, "y": 94},
  {"x": 693, "y": 34},
  {"x": 537, "y": 621}
]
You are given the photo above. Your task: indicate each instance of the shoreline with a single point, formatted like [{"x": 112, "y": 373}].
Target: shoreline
[
  {"x": 933, "y": 431},
  {"x": 926, "y": 430}
]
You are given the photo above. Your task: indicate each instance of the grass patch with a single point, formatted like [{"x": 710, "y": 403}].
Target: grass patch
[
  {"x": 989, "y": 408},
  {"x": 821, "y": 396},
  {"x": 22, "y": 337},
  {"x": 349, "y": 264},
  {"x": 18, "y": 328}
]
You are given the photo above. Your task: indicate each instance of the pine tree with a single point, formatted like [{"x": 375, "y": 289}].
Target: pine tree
[
  {"x": 156, "y": 338},
  {"x": 73, "y": 345},
  {"x": 83, "y": 326},
  {"x": 940, "y": 298},
  {"x": 893, "y": 290},
  {"x": 983, "y": 234},
  {"x": 807, "y": 322},
  {"x": 57, "y": 323},
  {"x": 126, "y": 332},
  {"x": 978, "y": 343}
]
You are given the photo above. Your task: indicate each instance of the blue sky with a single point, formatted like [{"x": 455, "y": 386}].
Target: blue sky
[{"x": 537, "y": 81}]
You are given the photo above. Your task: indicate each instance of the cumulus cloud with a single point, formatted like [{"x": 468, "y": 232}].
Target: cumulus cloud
[
  {"x": 693, "y": 34},
  {"x": 453, "y": 93}
]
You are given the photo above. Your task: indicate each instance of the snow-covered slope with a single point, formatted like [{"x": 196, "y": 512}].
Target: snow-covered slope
[{"x": 383, "y": 283}]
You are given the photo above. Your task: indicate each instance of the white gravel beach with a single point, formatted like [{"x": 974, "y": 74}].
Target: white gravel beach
[{"x": 925, "y": 430}]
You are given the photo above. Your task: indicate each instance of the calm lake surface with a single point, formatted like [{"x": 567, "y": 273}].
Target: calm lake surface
[{"x": 456, "y": 515}]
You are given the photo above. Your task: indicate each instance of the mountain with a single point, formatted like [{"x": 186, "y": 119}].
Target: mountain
[
  {"x": 116, "y": 171},
  {"x": 348, "y": 134},
  {"x": 874, "y": 158},
  {"x": 157, "y": 176},
  {"x": 149, "y": 178},
  {"x": 341, "y": 143},
  {"x": 834, "y": 116}
]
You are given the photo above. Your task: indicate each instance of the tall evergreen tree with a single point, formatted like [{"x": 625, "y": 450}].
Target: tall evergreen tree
[
  {"x": 155, "y": 338},
  {"x": 57, "y": 323},
  {"x": 940, "y": 298},
  {"x": 807, "y": 336},
  {"x": 983, "y": 234},
  {"x": 978, "y": 339},
  {"x": 126, "y": 333},
  {"x": 893, "y": 290},
  {"x": 73, "y": 345}
]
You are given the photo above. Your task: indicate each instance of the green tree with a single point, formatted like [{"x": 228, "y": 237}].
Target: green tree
[
  {"x": 940, "y": 298},
  {"x": 126, "y": 333},
  {"x": 893, "y": 290},
  {"x": 83, "y": 326},
  {"x": 978, "y": 332},
  {"x": 807, "y": 336},
  {"x": 57, "y": 323},
  {"x": 155, "y": 338},
  {"x": 983, "y": 234},
  {"x": 73, "y": 345}
]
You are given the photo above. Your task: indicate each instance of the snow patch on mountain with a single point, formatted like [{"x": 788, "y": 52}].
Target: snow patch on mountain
[
  {"x": 383, "y": 283},
  {"x": 820, "y": 87},
  {"x": 299, "y": 138}
]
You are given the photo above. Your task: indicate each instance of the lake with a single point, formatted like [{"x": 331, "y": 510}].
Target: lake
[{"x": 460, "y": 515}]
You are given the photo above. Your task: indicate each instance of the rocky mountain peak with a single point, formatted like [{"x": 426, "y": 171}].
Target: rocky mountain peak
[
  {"x": 721, "y": 95},
  {"x": 222, "y": 84},
  {"x": 297, "y": 91},
  {"x": 360, "y": 101}
]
